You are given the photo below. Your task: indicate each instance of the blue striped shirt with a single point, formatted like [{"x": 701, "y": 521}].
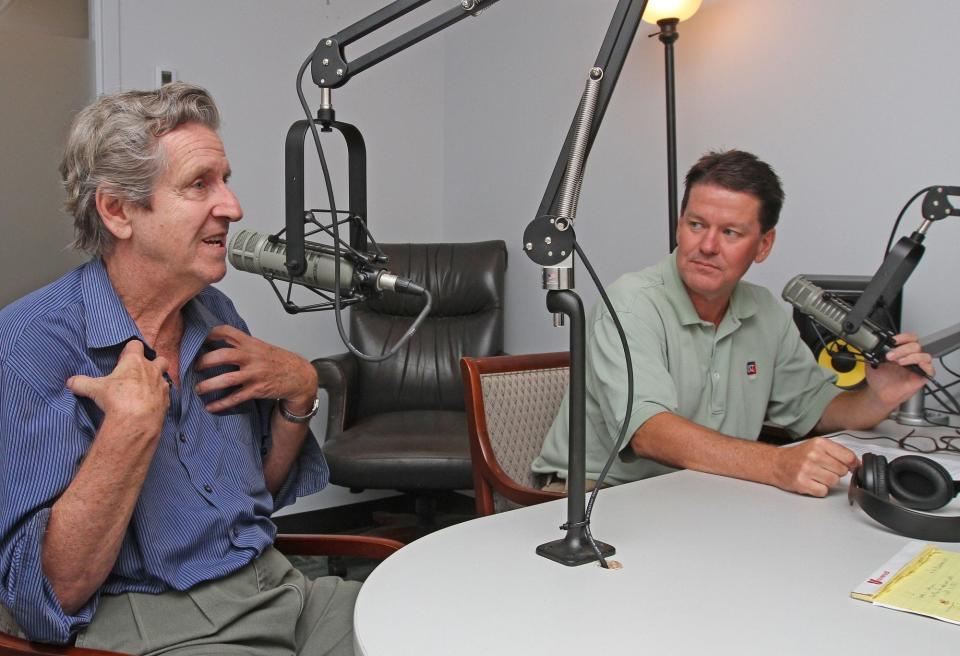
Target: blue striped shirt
[{"x": 204, "y": 510}]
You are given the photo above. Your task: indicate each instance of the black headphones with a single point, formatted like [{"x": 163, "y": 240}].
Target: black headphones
[{"x": 918, "y": 483}]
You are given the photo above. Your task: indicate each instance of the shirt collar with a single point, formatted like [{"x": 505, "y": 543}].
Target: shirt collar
[
  {"x": 109, "y": 323},
  {"x": 742, "y": 303},
  {"x": 195, "y": 313}
]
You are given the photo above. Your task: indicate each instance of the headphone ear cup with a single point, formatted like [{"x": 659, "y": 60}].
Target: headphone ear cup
[
  {"x": 873, "y": 474},
  {"x": 920, "y": 483}
]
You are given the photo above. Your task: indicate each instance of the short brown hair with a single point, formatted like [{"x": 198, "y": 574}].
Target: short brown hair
[{"x": 737, "y": 170}]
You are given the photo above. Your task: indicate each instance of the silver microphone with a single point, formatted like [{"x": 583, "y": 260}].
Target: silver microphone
[
  {"x": 255, "y": 252},
  {"x": 871, "y": 339}
]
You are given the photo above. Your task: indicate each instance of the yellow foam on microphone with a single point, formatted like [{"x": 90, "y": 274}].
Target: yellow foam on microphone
[{"x": 845, "y": 379}]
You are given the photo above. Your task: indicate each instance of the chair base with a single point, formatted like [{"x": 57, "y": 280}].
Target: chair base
[{"x": 426, "y": 517}]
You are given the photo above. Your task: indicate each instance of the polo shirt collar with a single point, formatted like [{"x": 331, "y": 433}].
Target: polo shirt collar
[{"x": 742, "y": 303}]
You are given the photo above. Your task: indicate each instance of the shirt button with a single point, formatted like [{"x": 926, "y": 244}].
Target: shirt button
[
  {"x": 183, "y": 438},
  {"x": 208, "y": 488}
]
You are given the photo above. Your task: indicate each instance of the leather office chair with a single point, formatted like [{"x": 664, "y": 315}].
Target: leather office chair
[
  {"x": 511, "y": 402},
  {"x": 13, "y": 643},
  {"x": 400, "y": 424}
]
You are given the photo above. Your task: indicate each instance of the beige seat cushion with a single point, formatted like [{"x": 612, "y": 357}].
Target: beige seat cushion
[{"x": 7, "y": 625}]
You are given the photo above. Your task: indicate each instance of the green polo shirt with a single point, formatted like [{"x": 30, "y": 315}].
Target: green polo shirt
[{"x": 752, "y": 368}]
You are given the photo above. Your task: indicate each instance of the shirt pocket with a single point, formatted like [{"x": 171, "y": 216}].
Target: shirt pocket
[{"x": 238, "y": 423}]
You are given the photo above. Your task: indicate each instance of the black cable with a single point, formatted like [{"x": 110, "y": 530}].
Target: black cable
[
  {"x": 336, "y": 242},
  {"x": 943, "y": 390},
  {"x": 949, "y": 371},
  {"x": 896, "y": 224},
  {"x": 948, "y": 385},
  {"x": 629, "y": 411}
]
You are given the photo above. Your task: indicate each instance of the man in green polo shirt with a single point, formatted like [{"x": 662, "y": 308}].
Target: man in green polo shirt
[{"x": 715, "y": 357}]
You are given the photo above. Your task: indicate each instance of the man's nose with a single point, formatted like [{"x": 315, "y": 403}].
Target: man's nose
[
  {"x": 228, "y": 205},
  {"x": 710, "y": 242}
]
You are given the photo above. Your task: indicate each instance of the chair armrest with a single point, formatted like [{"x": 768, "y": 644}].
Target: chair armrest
[
  {"x": 364, "y": 546},
  {"x": 18, "y": 647},
  {"x": 337, "y": 374},
  {"x": 774, "y": 435}
]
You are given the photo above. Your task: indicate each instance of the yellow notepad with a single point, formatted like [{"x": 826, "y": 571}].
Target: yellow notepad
[{"x": 921, "y": 579}]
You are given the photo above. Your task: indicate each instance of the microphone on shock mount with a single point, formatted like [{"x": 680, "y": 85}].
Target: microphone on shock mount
[
  {"x": 264, "y": 255},
  {"x": 870, "y": 339}
]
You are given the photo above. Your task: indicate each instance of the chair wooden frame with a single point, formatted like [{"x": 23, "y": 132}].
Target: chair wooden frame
[
  {"x": 304, "y": 545},
  {"x": 488, "y": 475}
]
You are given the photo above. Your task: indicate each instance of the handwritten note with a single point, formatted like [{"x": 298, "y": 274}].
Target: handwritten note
[
  {"x": 931, "y": 586},
  {"x": 927, "y": 584}
]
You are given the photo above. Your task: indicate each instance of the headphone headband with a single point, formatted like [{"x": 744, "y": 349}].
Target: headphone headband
[{"x": 906, "y": 521}]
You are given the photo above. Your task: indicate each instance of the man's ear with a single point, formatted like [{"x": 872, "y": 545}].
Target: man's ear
[
  {"x": 114, "y": 214},
  {"x": 766, "y": 244}
]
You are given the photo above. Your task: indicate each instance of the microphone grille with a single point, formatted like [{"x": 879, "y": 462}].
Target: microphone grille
[{"x": 243, "y": 249}]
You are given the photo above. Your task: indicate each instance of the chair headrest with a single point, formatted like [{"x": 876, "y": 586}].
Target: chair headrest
[{"x": 464, "y": 278}]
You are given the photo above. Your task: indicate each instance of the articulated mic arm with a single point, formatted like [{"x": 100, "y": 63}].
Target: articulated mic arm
[
  {"x": 330, "y": 68},
  {"x": 902, "y": 259}
]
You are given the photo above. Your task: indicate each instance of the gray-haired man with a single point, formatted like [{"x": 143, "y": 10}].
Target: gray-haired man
[{"x": 142, "y": 446}]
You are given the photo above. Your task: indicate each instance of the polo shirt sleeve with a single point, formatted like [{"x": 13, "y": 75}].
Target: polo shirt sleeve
[
  {"x": 801, "y": 389},
  {"x": 40, "y": 449},
  {"x": 654, "y": 390}
]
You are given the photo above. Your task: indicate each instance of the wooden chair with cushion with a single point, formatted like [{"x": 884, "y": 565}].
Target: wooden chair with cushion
[
  {"x": 511, "y": 401},
  {"x": 13, "y": 642}
]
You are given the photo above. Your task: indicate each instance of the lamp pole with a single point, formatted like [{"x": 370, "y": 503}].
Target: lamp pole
[
  {"x": 668, "y": 35},
  {"x": 667, "y": 14}
]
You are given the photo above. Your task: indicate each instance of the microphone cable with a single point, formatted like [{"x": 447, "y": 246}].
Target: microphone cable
[
  {"x": 903, "y": 210},
  {"x": 943, "y": 406},
  {"x": 629, "y": 411},
  {"x": 336, "y": 242}
]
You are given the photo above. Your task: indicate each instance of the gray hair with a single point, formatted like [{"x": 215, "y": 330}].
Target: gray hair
[{"x": 114, "y": 145}]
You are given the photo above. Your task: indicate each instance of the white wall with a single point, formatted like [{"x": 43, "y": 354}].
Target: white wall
[{"x": 852, "y": 102}]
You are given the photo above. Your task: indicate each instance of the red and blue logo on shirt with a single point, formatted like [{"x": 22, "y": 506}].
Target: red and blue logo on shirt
[{"x": 752, "y": 369}]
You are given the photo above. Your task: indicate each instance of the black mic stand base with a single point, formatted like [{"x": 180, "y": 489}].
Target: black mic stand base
[{"x": 574, "y": 549}]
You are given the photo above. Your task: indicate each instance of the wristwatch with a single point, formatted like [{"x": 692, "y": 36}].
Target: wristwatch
[{"x": 298, "y": 419}]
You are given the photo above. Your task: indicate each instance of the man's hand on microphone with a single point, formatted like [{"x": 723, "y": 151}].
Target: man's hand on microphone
[
  {"x": 263, "y": 371},
  {"x": 888, "y": 385},
  {"x": 892, "y": 383}
]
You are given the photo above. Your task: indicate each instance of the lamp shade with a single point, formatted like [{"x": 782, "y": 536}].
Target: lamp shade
[{"x": 679, "y": 9}]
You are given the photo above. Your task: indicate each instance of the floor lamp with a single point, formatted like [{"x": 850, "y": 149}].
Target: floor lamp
[{"x": 666, "y": 14}]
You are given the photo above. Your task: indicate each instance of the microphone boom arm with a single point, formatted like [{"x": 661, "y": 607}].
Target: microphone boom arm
[
  {"x": 902, "y": 259},
  {"x": 330, "y": 68}
]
